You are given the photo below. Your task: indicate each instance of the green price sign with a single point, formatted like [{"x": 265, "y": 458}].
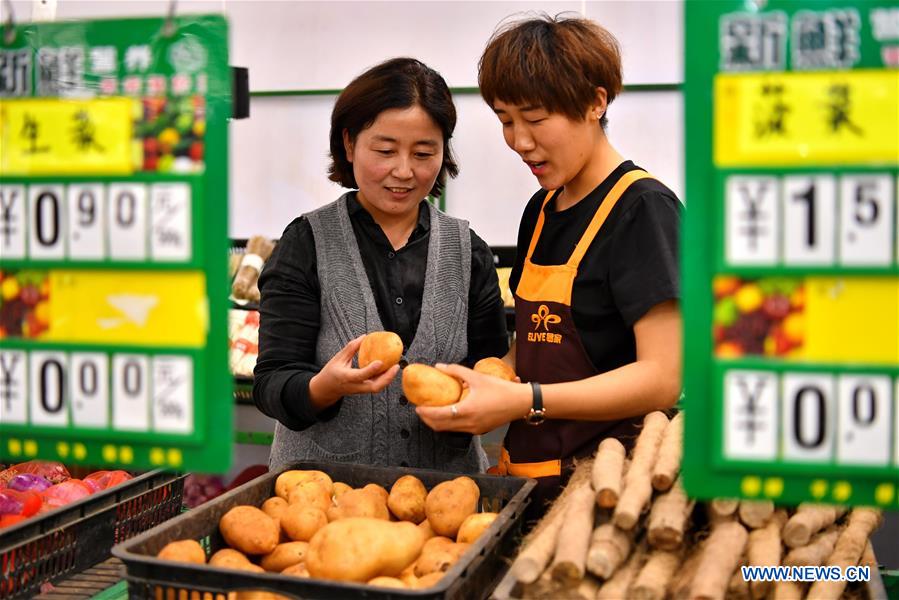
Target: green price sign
[
  {"x": 790, "y": 256},
  {"x": 113, "y": 243}
]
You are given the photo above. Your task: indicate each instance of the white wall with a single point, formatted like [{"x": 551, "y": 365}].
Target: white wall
[{"x": 279, "y": 155}]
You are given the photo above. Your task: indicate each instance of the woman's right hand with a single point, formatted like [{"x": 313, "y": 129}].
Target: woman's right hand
[{"x": 338, "y": 378}]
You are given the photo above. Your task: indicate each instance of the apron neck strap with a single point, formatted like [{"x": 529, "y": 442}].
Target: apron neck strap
[
  {"x": 539, "y": 227},
  {"x": 602, "y": 213}
]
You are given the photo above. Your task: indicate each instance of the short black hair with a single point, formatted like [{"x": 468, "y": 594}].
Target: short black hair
[{"x": 396, "y": 83}]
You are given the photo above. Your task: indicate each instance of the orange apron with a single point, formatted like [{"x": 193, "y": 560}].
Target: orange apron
[{"x": 549, "y": 349}]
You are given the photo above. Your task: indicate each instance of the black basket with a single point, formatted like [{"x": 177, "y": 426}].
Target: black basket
[
  {"x": 79, "y": 535},
  {"x": 473, "y": 576}
]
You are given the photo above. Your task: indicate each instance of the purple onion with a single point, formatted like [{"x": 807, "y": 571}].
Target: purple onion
[
  {"x": 28, "y": 482},
  {"x": 10, "y": 505}
]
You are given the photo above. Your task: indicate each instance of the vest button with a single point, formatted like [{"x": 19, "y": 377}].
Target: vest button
[
  {"x": 404, "y": 433},
  {"x": 399, "y": 300},
  {"x": 391, "y": 254}
]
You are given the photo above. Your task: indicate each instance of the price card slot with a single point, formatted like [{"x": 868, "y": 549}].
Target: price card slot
[
  {"x": 48, "y": 397},
  {"x": 848, "y": 419},
  {"x": 173, "y": 394},
  {"x": 864, "y": 420},
  {"x": 89, "y": 389},
  {"x": 47, "y": 222},
  {"x": 752, "y": 220},
  {"x": 13, "y": 387},
  {"x": 131, "y": 392},
  {"x": 170, "y": 207},
  {"x": 13, "y": 219},
  {"x": 127, "y": 221},
  {"x": 809, "y": 220},
  {"x": 750, "y": 415},
  {"x": 87, "y": 221},
  {"x": 867, "y": 205}
]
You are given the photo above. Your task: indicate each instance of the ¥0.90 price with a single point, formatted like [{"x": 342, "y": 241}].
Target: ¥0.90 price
[{"x": 125, "y": 222}]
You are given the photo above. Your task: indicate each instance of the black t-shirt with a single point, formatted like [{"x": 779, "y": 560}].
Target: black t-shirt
[
  {"x": 631, "y": 266},
  {"x": 290, "y": 307}
]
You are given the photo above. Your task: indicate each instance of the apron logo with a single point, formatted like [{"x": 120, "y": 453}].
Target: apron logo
[{"x": 543, "y": 316}]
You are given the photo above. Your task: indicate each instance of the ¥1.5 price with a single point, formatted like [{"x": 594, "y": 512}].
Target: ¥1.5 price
[
  {"x": 845, "y": 420},
  {"x": 816, "y": 220},
  {"x": 96, "y": 222},
  {"x": 95, "y": 390}
]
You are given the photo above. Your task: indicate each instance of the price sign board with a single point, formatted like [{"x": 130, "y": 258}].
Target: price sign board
[
  {"x": 113, "y": 238},
  {"x": 790, "y": 254}
]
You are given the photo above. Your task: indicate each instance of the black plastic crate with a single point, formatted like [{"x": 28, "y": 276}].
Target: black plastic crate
[
  {"x": 79, "y": 535},
  {"x": 473, "y": 576}
]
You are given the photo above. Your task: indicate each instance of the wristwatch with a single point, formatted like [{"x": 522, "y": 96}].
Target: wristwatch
[{"x": 537, "y": 414}]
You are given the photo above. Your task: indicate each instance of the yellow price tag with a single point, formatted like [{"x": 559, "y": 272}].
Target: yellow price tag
[
  {"x": 128, "y": 307},
  {"x": 851, "y": 320},
  {"x": 66, "y": 137},
  {"x": 828, "y": 118}
]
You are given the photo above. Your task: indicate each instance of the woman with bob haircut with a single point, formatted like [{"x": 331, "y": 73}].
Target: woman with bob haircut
[
  {"x": 378, "y": 258},
  {"x": 596, "y": 282}
]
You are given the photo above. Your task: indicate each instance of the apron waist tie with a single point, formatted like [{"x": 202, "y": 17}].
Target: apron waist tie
[{"x": 547, "y": 468}]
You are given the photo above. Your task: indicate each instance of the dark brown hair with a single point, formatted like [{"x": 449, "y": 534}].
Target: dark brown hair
[
  {"x": 552, "y": 62},
  {"x": 396, "y": 83}
]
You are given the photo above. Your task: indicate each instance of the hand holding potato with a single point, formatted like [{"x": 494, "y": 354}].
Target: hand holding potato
[
  {"x": 338, "y": 378},
  {"x": 490, "y": 403}
]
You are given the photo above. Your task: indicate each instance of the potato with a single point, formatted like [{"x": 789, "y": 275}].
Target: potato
[
  {"x": 300, "y": 522},
  {"x": 438, "y": 542},
  {"x": 359, "y": 549},
  {"x": 379, "y": 490},
  {"x": 474, "y": 525},
  {"x": 311, "y": 493},
  {"x": 274, "y": 507},
  {"x": 248, "y": 529},
  {"x": 426, "y": 386},
  {"x": 439, "y": 559},
  {"x": 284, "y": 555},
  {"x": 188, "y": 551},
  {"x": 428, "y": 580},
  {"x": 496, "y": 367},
  {"x": 288, "y": 480},
  {"x": 259, "y": 595},
  {"x": 407, "y": 499},
  {"x": 388, "y": 582},
  {"x": 449, "y": 503},
  {"x": 385, "y": 346},
  {"x": 229, "y": 558},
  {"x": 425, "y": 527},
  {"x": 359, "y": 503},
  {"x": 339, "y": 489},
  {"x": 297, "y": 570}
]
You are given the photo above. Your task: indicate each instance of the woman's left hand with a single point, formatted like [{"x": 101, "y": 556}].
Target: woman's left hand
[{"x": 491, "y": 402}]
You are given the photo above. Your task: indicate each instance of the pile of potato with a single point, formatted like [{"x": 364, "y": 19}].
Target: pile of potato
[
  {"x": 624, "y": 528},
  {"x": 315, "y": 527}
]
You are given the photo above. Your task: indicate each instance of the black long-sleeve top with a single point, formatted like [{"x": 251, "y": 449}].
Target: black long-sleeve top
[{"x": 290, "y": 308}]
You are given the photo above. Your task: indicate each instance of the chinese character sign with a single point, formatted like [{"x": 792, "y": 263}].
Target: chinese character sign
[
  {"x": 791, "y": 276},
  {"x": 113, "y": 175}
]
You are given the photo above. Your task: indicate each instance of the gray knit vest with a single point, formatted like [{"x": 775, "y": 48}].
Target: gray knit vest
[{"x": 383, "y": 429}]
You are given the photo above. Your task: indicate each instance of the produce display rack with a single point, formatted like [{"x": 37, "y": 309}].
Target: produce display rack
[
  {"x": 76, "y": 537},
  {"x": 476, "y": 573}
]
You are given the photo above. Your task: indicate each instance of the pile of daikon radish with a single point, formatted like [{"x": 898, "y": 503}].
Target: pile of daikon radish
[{"x": 623, "y": 528}]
